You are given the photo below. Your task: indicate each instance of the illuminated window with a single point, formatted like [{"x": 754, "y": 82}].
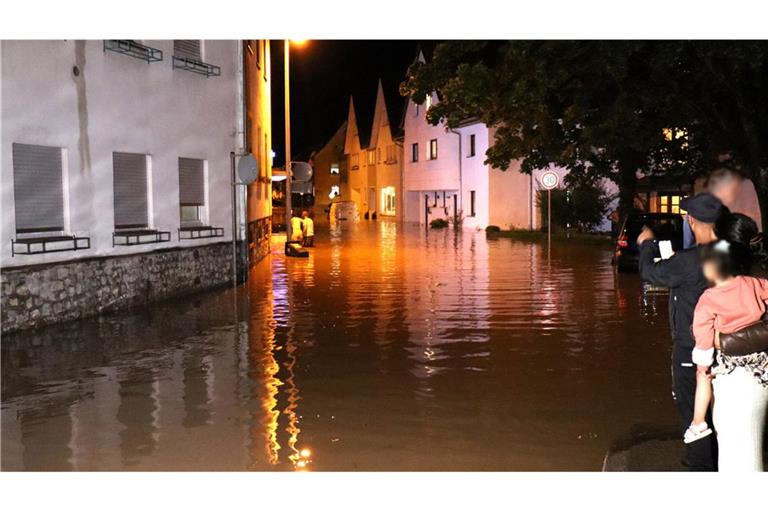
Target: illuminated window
[
  {"x": 388, "y": 200},
  {"x": 335, "y": 191},
  {"x": 432, "y": 150},
  {"x": 371, "y": 157},
  {"x": 427, "y": 103},
  {"x": 334, "y": 168}
]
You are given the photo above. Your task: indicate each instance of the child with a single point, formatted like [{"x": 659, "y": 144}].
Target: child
[{"x": 733, "y": 302}]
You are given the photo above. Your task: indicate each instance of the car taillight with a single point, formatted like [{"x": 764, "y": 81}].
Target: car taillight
[{"x": 623, "y": 243}]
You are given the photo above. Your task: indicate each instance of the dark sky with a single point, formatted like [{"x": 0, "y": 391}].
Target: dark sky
[{"x": 323, "y": 75}]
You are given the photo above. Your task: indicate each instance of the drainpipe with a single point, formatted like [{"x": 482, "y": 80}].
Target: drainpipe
[{"x": 461, "y": 190}]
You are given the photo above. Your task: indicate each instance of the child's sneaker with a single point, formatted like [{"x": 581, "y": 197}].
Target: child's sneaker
[{"x": 696, "y": 432}]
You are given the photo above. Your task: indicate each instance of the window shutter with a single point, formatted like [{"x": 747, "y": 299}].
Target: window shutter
[
  {"x": 187, "y": 49},
  {"x": 130, "y": 189},
  {"x": 191, "y": 182},
  {"x": 38, "y": 188}
]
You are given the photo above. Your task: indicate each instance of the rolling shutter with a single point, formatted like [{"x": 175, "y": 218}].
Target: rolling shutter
[
  {"x": 191, "y": 182},
  {"x": 38, "y": 188},
  {"x": 187, "y": 49},
  {"x": 130, "y": 189}
]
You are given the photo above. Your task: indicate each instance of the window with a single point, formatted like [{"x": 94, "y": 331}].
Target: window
[
  {"x": 130, "y": 190},
  {"x": 354, "y": 161},
  {"x": 427, "y": 103},
  {"x": 472, "y": 145},
  {"x": 415, "y": 152},
  {"x": 669, "y": 204},
  {"x": 334, "y": 168},
  {"x": 335, "y": 191},
  {"x": 371, "y": 157},
  {"x": 472, "y": 204},
  {"x": 38, "y": 188},
  {"x": 418, "y": 108},
  {"x": 189, "y": 49},
  {"x": 391, "y": 154},
  {"x": 378, "y": 155},
  {"x": 388, "y": 201},
  {"x": 432, "y": 150},
  {"x": 192, "y": 190}
]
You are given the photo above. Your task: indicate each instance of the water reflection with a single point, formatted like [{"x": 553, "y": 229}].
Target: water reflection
[{"x": 389, "y": 348}]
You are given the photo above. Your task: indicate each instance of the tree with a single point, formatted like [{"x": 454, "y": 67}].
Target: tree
[
  {"x": 582, "y": 207},
  {"x": 607, "y": 109}
]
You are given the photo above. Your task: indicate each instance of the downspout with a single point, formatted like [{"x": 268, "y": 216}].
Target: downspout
[{"x": 461, "y": 174}]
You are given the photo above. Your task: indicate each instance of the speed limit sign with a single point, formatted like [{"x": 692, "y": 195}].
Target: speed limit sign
[{"x": 549, "y": 180}]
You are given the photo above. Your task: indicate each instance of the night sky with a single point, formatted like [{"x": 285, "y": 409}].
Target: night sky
[{"x": 323, "y": 75}]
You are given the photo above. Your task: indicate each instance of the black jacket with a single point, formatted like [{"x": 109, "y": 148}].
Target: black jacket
[{"x": 682, "y": 275}]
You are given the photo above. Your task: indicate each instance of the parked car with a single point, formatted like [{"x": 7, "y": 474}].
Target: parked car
[{"x": 666, "y": 226}]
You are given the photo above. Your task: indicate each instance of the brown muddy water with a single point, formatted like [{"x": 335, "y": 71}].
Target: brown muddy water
[{"x": 388, "y": 349}]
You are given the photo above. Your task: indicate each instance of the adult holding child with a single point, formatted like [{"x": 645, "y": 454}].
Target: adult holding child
[{"x": 682, "y": 274}]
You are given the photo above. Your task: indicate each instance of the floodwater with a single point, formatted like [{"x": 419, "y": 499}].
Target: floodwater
[{"x": 387, "y": 349}]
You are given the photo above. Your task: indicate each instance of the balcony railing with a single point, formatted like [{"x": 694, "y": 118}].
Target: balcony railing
[
  {"x": 201, "y": 68},
  {"x": 133, "y": 49}
]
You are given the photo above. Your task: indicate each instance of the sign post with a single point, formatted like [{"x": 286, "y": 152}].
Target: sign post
[{"x": 549, "y": 180}]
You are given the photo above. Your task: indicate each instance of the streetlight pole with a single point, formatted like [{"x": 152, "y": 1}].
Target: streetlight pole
[{"x": 287, "y": 80}]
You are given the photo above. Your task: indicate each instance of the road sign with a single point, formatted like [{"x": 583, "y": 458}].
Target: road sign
[{"x": 549, "y": 180}]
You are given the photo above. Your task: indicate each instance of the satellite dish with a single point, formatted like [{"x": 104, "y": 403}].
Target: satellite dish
[
  {"x": 247, "y": 169},
  {"x": 301, "y": 171}
]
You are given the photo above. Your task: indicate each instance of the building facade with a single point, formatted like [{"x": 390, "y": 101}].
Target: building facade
[
  {"x": 445, "y": 176},
  {"x": 374, "y": 163},
  {"x": 330, "y": 174},
  {"x": 116, "y": 180},
  {"x": 258, "y": 142}
]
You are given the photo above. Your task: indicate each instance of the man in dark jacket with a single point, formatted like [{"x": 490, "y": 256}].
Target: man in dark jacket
[{"x": 682, "y": 274}]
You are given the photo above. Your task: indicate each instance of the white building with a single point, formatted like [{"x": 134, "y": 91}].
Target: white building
[
  {"x": 113, "y": 148},
  {"x": 444, "y": 176}
]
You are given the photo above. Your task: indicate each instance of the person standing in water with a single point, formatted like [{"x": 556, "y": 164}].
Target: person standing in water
[
  {"x": 309, "y": 229},
  {"x": 682, "y": 274},
  {"x": 296, "y": 228}
]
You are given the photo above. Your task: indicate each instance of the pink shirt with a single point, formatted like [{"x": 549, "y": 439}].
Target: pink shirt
[{"x": 726, "y": 309}]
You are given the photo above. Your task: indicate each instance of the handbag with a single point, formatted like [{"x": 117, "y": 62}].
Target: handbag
[{"x": 752, "y": 338}]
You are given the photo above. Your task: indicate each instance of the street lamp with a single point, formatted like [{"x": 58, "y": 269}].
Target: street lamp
[{"x": 287, "y": 80}]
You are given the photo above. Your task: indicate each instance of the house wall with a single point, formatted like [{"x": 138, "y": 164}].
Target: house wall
[
  {"x": 331, "y": 153},
  {"x": 118, "y": 103},
  {"x": 358, "y": 175},
  {"x": 258, "y": 112}
]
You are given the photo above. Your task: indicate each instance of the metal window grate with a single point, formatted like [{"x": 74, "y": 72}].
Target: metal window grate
[
  {"x": 191, "y": 182},
  {"x": 130, "y": 190},
  {"x": 38, "y": 188},
  {"x": 133, "y": 49}
]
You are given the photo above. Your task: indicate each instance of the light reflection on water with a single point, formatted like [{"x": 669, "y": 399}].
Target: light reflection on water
[{"x": 389, "y": 348}]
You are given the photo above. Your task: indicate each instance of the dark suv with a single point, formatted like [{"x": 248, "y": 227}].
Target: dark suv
[{"x": 666, "y": 226}]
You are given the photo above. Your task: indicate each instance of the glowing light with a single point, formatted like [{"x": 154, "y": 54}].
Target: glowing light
[
  {"x": 299, "y": 42},
  {"x": 305, "y": 452}
]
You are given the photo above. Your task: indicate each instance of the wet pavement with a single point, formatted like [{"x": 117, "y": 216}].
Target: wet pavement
[{"x": 387, "y": 349}]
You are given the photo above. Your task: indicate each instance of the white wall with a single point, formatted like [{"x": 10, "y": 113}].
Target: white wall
[
  {"x": 427, "y": 175},
  {"x": 125, "y": 104}
]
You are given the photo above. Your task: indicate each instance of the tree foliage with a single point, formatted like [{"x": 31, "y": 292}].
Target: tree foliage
[
  {"x": 607, "y": 109},
  {"x": 582, "y": 207}
]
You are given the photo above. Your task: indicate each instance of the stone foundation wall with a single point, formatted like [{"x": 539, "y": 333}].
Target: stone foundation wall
[{"x": 39, "y": 295}]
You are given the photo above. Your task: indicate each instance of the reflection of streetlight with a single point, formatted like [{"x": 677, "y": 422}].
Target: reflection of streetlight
[{"x": 287, "y": 85}]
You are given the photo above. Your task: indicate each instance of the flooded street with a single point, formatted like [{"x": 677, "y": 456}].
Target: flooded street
[{"x": 388, "y": 349}]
